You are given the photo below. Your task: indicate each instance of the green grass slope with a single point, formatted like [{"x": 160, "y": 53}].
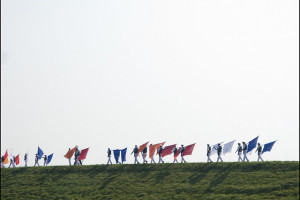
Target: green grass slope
[{"x": 264, "y": 180}]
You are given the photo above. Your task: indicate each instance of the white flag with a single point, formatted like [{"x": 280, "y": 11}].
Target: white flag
[
  {"x": 228, "y": 147},
  {"x": 213, "y": 150}
]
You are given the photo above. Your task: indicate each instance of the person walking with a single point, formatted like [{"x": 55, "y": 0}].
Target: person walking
[
  {"x": 77, "y": 154},
  {"x": 245, "y": 148},
  {"x": 160, "y": 149},
  {"x": 208, "y": 153},
  {"x": 258, "y": 150},
  {"x": 145, "y": 155},
  {"x": 2, "y": 161},
  {"x": 45, "y": 160},
  {"x": 109, "y": 156},
  {"x": 219, "y": 150},
  {"x": 181, "y": 152},
  {"x": 239, "y": 150},
  {"x": 152, "y": 158},
  {"x": 70, "y": 159},
  {"x": 25, "y": 159},
  {"x": 36, "y": 160},
  {"x": 175, "y": 157},
  {"x": 136, "y": 152}
]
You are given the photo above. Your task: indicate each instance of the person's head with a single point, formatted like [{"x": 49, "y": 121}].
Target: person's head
[
  {"x": 239, "y": 144},
  {"x": 108, "y": 148},
  {"x": 208, "y": 145},
  {"x": 182, "y": 145},
  {"x": 150, "y": 144},
  {"x": 135, "y": 145},
  {"x": 243, "y": 142},
  {"x": 258, "y": 144},
  {"x": 219, "y": 144},
  {"x": 160, "y": 145},
  {"x": 76, "y": 146}
]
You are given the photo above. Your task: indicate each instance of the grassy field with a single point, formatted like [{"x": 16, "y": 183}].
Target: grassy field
[{"x": 264, "y": 180}]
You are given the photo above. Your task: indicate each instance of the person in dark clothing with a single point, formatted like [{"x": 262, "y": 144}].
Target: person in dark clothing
[
  {"x": 208, "y": 153},
  {"x": 136, "y": 152},
  {"x": 36, "y": 160},
  {"x": 45, "y": 160},
  {"x": 77, "y": 154},
  {"x": 144, "y": 152},
  {"x": 219, "y": 150},
  {"x": 239, "y": 150},
  {"x": 175, "y": 157},
  {"x": 181, "y": 152},
  {"x": 160, "y": 150},
  {"x": 109, "y": 156},
  {"x": 259, "y": 150}
]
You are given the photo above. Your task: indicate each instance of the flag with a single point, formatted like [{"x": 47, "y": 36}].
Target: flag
[
  {"x": 142, "y": 147},
  {"x": 162, "y": 144},
  {"x": 252, "y": 144},
  {"x": 188, "y": 150},
  {"x": 117, "y": 155},
  {"x": 214, "y": 148},
  {"x": 6, "y": 157},
  {"x": 123, "y": 154},
  {"x": 83, "y": 154},
  {"x": 153, "y": 148},
  {"x": 17, "y": 159},
  {"x": 168, "y": 150},
  {"x": 49, "y": 158},
  {"x": 228, "y": 147},
  {"x": 70, "y": 153},
  {"x": 268, "y": 146},
  {"x": 40, "y": 152}
]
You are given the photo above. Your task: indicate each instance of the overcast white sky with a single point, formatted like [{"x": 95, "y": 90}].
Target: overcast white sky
[{"x": 117, "y": 73}]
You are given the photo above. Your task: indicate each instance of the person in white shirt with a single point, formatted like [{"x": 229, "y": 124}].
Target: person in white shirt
[{"x": 239, "y": 150}]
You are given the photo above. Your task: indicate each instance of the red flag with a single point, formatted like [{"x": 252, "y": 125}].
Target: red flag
[
  {"x": 17, "y": 159},
  {"x": 153, "y": 148},
  {"x": 188, "y": 150},
  {"x": 83, "y": 154},
  {"x": 168, "y": 150}
]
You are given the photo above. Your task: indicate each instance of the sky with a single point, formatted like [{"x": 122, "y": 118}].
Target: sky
[{"x": 117, "y": 73}]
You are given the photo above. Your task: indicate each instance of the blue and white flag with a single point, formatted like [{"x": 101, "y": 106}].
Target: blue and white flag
[
  {"x": 228, "y": 147},
  {"x": 252, "y": 144},
  {"x": 123, "y": 154},
  {"x": 117, "y": 155},
  {"x": 214, "y": 149},
  {"x": 268, "y": 147},
  {"x": 49, "y": 158},
  {"x": 40, "y": 153}
]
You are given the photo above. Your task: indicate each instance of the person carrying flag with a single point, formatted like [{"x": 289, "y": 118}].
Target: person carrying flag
[
  {"x": 245, "y": 148},
  {"x": 175, "y": 157},
  {"x": 25, "y": 159},
  {"x": 36, "y": 160},
  {"x": 144, "y": 152},
  {"x": 258, "y": 150},
  {"x": 77, "y": 154},
  {"x": 2, "y": 161},
  {"x": 219, "y": 149},
  {"x": 109, "y": 156},
  {"x": 136, "y": 152},
  {"x": 152, "y": 158},
  {"x": 45, "y": 160},
  {"x": 239, "y": 150},
  {"x": 208, "y": 153},
  {"x": 160, "y": 149},
  {"x": 181, "y": 152}
]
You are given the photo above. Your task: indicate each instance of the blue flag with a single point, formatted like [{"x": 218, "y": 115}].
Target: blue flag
[
  {"x": 117, "y": 155},
  {"x": 123, "y": 154},
  {"x": 252, "y": 144},
  {"x": 49, "y": 158},
  {"x": 268, "y": 147},
  {"x": 40, "y": 152}
]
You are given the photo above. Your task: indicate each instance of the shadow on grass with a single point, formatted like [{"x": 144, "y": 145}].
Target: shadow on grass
[
  {"x": 218, "y": 179},
  {"x": 161, "y": 175},
  {"x": 106, "y": 182}
]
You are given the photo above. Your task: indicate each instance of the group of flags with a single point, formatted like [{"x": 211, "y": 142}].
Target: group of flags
[
  {"x": 82, "y": 155},
  {"x": 40, "y": 154},
  {"x": 251, "y": 145},
  {"x": 227, "y": 148}
]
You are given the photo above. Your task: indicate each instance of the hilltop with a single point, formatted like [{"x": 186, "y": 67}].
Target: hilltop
[{"x": 263, "y": 180}]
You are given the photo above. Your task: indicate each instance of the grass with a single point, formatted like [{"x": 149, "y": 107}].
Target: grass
[{"x": 254, "y": 180}]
